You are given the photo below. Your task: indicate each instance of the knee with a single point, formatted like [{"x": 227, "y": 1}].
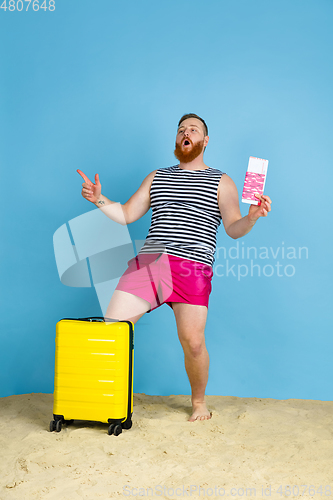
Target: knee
[{"x": 193, "y": 347}]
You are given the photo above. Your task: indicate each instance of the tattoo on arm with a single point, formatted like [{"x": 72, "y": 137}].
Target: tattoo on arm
[{"x": 101, "y": 202}]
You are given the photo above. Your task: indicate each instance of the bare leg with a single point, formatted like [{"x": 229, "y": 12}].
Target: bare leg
[
  {"x": 191, "y": 321},
  {"x": 125, "y": 306}
]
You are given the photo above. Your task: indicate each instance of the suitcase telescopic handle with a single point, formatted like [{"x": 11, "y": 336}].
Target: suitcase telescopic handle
[
  {"x": 93, "y": 318},
  {"x": 96, "y": 318}
]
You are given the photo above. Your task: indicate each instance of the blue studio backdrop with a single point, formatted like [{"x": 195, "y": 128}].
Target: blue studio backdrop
[{"x": 100, "y": 86}]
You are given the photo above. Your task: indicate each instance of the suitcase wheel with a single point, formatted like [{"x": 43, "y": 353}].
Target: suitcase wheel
[
  {"x": 58, "y": 425},
  {"x": 115, "y": 429},
  {"x": 110, "y": 429},
  {"x": 55, "y": 425}
]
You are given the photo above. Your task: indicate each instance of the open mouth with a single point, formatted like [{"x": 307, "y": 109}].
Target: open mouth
[{"x": 186, "y": 142}]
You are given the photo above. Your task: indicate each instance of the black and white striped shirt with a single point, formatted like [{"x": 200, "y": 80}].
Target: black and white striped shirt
[{"x": 185, "y": 213}]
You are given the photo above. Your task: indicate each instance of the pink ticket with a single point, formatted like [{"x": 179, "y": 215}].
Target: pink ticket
[{"x": 254, "y": 180}]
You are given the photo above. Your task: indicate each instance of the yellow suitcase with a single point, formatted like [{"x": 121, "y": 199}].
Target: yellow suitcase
[{"x": 94, "y": 373}]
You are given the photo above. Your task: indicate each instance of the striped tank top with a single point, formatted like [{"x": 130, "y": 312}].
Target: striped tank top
[{"x": 185, "y": 213}]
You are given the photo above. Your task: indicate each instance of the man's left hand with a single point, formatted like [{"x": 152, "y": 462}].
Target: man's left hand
[{"x": 260, "y": 210}]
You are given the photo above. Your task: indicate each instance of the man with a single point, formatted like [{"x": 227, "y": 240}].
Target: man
[{"x": 175, "y": 264}]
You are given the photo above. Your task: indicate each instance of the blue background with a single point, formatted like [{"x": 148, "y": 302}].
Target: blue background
[{"x": 101, "y": 86}]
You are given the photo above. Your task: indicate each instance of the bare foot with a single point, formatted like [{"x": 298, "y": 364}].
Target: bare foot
[{"x": 200, "y": 412}]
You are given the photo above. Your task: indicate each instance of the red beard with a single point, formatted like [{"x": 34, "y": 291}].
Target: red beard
[{"x": 186, "y": 156}]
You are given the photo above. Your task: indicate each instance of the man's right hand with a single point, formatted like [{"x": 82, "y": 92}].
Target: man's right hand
[{"x": 90, "y": 191}]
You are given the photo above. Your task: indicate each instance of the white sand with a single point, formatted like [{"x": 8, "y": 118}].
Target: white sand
[{"x": 249, "y": 443}]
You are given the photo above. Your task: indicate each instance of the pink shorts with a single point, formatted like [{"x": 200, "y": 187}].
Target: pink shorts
[{"x": 162, "y": 278}]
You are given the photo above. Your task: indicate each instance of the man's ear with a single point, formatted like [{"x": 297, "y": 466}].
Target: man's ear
[{"x": 206, "y": 139}]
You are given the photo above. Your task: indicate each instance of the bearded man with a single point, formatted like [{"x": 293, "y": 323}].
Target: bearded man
[{"x": 174, "y": 266}]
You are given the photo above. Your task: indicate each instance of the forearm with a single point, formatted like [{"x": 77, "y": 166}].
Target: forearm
[
  {"x": 115, "y": 211},
  {"x": 240, "y": 227}
]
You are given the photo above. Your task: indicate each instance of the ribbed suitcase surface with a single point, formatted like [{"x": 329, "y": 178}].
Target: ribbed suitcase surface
[{"x": 94, "y": 372}]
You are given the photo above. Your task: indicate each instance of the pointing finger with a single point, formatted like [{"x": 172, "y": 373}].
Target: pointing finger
[{"x": 84, "y": 177}]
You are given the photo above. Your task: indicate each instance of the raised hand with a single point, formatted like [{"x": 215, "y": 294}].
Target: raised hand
[
  {"x": 90, "y": 191},
  {"x": 262, "y": 209}
]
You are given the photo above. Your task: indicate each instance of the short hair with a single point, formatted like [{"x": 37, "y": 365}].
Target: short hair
[{"x": 193, "y": 115}]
